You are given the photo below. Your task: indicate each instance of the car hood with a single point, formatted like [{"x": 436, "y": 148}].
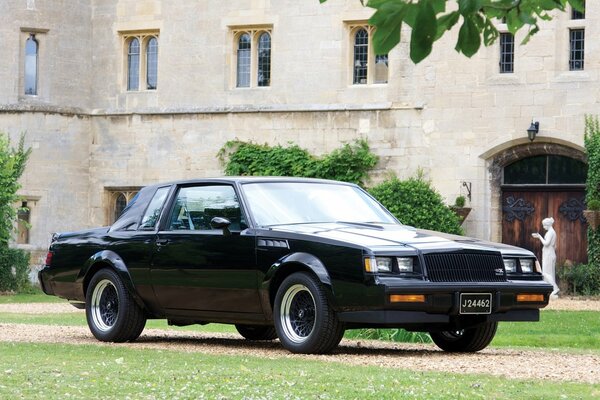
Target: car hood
[{"x": 383, "y": 236}]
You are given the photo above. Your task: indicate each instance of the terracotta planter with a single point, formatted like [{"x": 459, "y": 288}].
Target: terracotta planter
[
  {"x": 462, "y": 213},
  {"x": 592, "y": 217}
]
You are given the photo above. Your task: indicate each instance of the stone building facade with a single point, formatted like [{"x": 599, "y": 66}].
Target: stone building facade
[{"x": 132, "y": 92}]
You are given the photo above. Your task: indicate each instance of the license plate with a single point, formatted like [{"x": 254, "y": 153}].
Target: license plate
[{"x": 475, "y": 303}]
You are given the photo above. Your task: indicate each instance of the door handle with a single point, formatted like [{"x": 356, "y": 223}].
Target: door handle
[{"x": 162, "y": 242}]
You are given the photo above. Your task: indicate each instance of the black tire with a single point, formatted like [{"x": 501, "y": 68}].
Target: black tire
[
  {"x": 304, "y": 319},
  {"x": 111, "y": 312},
  {"x": 467, "y": 340},
  {"x": 257, "y": 332}
]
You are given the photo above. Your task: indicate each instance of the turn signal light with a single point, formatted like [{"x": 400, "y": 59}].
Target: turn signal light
[
  {"x": 531, "y": 298},
  {"x": 407, "y": 298}
]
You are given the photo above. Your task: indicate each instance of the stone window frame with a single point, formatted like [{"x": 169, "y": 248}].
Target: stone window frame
[
  {"x": 37, "y": 34},
  {"x": 143, "y": 37},
  {"x": 112, "y": 196},
  {"x": 254, "y": 32},
  {"x": 353, "y": 27},
  {"x": 573, "y": 26}
]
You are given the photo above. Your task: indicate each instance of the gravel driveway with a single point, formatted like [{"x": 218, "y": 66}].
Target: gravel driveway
[{"x": 531, "y": 364}]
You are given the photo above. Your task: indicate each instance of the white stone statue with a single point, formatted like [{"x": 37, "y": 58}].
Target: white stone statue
[{"x": 548, "y": 253}]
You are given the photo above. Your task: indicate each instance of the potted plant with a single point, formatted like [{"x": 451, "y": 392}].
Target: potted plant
[
  {"x": 460, "y": 209},
  {"x": 592, "y": 214}
]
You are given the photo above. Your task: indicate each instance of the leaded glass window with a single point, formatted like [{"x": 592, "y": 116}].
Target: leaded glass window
[
  {"x": 31, "y": 65},
  {"x": 361, "y": 56},
  {"x": 243, "y": 60},
  {"x": 546, "y": 170},
  {"x": 264, "y": 59},
  {"x": 578, "y": 14},
  {"x": 152, "y": 63},
  {"x": 507, "y": 53},
  {"x": 381, "y": 68},
  {"x": 133, "y": 64},
  {"x": 120, "y": 204},
  {"x": 576, "y": 56}
]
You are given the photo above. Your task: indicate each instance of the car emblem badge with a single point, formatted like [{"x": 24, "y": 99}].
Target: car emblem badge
[{"x": 499, "y": 271}]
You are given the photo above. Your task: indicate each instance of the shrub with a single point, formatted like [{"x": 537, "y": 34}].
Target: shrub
[
  {"x": 414, "y": 202},
  {"x": 581, "y": 279},
  {"x": 592, "y": 196},
  {"x": 460, "y": 201},
  {"x": 14, "y": 270},
  {"x": 350, "y": 163}
]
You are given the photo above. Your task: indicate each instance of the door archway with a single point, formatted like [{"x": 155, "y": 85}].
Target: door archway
[{"x": 542, "y": 180}]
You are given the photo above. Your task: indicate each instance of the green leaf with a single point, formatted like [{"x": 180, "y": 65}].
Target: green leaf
[
  {"x": 466, "y": 7},
  {"x": 388, "y": 20},
  {"x": 469, "y": 40},
  {"x": 424, "y": 32},
  {"x": 579, "y": 5},
  {"x": 446, "y": 22},
  {"x": 490, "y": 33}
]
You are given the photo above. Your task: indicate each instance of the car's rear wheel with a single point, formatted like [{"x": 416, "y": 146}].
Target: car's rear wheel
[
  {"x": 466, "y": 340},
  {"x": 257, "y": 332},
  {"x": 111, "y": 312},
  {"x": 304, "y": 319}
]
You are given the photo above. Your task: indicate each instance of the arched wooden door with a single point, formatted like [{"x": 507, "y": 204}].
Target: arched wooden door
[{"x": 546, "y": 186}]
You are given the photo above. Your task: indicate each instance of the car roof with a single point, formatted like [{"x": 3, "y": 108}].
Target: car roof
[{"x": 250, "y": 179}]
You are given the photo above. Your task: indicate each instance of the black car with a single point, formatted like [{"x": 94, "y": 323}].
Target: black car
[{"x": 301, "y": 260}]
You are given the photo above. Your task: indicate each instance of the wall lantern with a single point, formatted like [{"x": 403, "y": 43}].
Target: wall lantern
[{"x": 533, "y": 130}]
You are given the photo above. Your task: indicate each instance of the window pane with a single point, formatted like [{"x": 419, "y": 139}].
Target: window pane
[
  {"x": 243, "y": 61},
  {"x": 264, "y": 60},
  {"x": 577, "y": 41},
  {"x": 31, "y": 67},
  {"x": 361, "y": 56},
  {"x": 152, "y": 63},
  {"x": 507, "y": 53},
  {"x": 23, "y": 219},
  {"x": 381, "y": 68},
  {"x": 196, "y": 206},
  {"x": 578, "y": 14},
  {"x": 120, "y": 205},
  {"x": 566, "y": 170},
  {"x": 152, "y": 213},
  {"x": 530, "y": 170},
  {"x": 133, "y": 65}
]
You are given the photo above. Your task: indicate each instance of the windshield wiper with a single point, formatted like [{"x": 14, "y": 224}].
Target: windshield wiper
[{"x": 376, "y": 225}]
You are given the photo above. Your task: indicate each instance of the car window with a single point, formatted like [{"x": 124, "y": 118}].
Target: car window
[
  {"x": 154, "y": 208},
  {"x": 196, "y": 206}
]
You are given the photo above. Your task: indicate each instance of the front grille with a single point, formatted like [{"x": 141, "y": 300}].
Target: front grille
[{"x": 464, "y": 267}]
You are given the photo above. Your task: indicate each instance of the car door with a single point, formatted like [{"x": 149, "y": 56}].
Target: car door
[{"x": 198, "y": 268}]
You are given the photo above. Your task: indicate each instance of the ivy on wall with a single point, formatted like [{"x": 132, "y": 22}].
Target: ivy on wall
[
  {"x": 592, "y": 146},
  {"x": 350, "y": 163}
]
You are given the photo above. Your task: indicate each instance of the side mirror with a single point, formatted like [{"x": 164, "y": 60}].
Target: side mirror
[{"x": 221, "y": 223}]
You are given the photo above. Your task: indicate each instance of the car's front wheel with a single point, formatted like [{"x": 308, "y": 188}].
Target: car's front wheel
[
  {"x": 111, "y": 312},
  {"x": 304, "y": 319},
  {"x": 466, "y": 340},
  {"x": 257, "y": 332}
]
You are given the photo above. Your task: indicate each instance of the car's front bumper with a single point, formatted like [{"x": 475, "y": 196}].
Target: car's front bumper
[{"x": 441, "y": 305}]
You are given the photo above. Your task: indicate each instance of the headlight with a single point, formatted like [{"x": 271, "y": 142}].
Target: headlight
[
  {"x": 384, "y": 264},
  {"x": 526, "y": 265},
  {"x": 405, "y": 264},
  {"x": 510, "y": 265},
  {"x": 379, "y": 264}
]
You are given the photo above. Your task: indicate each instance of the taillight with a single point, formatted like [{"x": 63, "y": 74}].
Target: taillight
[{"x": 49, "y": 258}]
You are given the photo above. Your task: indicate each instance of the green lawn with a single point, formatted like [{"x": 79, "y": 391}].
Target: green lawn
[
  {"x": 52, "y": 371},
  {"x": 37, "y": 296}
]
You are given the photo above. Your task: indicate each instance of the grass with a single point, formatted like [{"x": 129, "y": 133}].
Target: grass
[
  {"x": 36, "y": 296},
  {"x": 56, "y": 371}
]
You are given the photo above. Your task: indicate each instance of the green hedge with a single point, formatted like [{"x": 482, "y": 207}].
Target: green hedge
[
  {"x": 350, "y": 163},
  {"x": 414, "y": 202},
  {"x": 14, "y": 270},
  {"x": 581, "y": 279}
]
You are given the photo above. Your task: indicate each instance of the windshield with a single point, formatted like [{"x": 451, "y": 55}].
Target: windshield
[{"x": 282, "y": 203}]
